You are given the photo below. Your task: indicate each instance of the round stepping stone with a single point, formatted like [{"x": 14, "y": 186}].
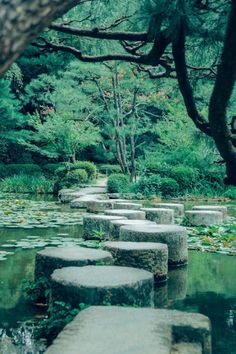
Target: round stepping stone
[
  {"x": 95, "y": 206},
  {"x": 83, "y": 201},
  {"x": 160, "y": 216},
  {"x": 178, "y": 208},
  {"x": 49, "y": 259},
  {"x": 98, "y": 226},
  {"x": 204, "y": 217},
  {"x": 146, "y": 255},
  {"x": 129, "y": 214},
  {"x": 220, "y": 208},
  {"x": 115, "y": 226},
  {"x": 97, "y": 285},
  {"x": 126, "y": 205},
  {"x": 173, "y": 235}
]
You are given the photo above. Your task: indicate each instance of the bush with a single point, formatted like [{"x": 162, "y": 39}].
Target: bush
[
  {"x": 148, "y": 185},
  {"x": 152, "y": 166},
  {"x": 16, "y": 169},
  {"x": 109, "y": 169},
  {"x": 169, "y": 187},
  {"x": 51, "y": 168},
  {"x": 76, "y": 177},
  {"x": 185, "y": 176},
  {"x": 89, "y": 167},
  {"x": 27, "y": 184},
  {"x": 117, "y": 183}
]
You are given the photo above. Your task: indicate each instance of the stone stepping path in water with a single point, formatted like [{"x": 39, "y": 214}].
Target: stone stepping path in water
[
  {"x": 129, "y": 214},
  {"x": 115, "y": 225},
  {"x": 67, "y": 195},
  {"x": 160, "y": 216},
  {"x": 203, "y": 217},
  {"x": 115, "y": 330},
  {"x": 99, "y": 285},
  {"x": 152, "y": 257},
  {"x": 83, "y": 201},
  {"x": 178, "y": 208},
  {"x": 49, "y": 259},
  {"x": 98, "y": 225},
  {"x": 126, "y": 205},
  {"x": 173, "y": 235},
  {"x": 220, "y": 208},
  {"x": 96, "y": 206}
]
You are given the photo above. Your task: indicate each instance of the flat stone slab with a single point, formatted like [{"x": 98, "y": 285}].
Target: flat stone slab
[
  {"x": 220, "y": 208},
  {"x": 150, "y": 256},
  {"x": 98, "y": 226},
  {"x": 99, "y": 285},
  {"x": 203, "y": 217},
  {"x": 115, "y": 226},
  {"x": 129, "y": 214},
  {"x": 96, "y": 206},
  {"x": 159, "y": 215},
  {"x": 49, "y": 259},
  {"x": 173, "y": 235},
  {"x": 126, "y": 205},
  {"x": 83, "y": 201},
  {"x": 122, "y": 330},
  {"x": 178, "y": 208},
  {"x": 91, "y": 190}
]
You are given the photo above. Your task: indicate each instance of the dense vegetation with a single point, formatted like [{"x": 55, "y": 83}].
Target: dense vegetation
[{"x": 57, "y": 112}]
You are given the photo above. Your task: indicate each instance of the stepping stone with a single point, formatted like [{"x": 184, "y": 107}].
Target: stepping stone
[
  {"x": 95, "y": 206},
  {"x": 160, "y": 216},
  {"x": 91, "y": 190},
  {"x": 204, "y": 217},
  {"x": 83, "y": 201},
  {"x": 99, "y": 285},
  {"x": 116, "y": 330},
  {"x": 146, "y": 255},
  {"x": 126, "y": 205},
  {"x": 173, "y": 235},
  {"x": 115, "y": 226},
  {"x": 129, "y": 214},
  {"x": 49, "y": 259},
  {"x": 178, "y": 208},
  {"x": 98, "y": 226},
  {"x": 221, "y": 208}
]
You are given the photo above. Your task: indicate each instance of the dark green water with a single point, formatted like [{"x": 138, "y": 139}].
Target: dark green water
[{"x": 207, "y": 286}]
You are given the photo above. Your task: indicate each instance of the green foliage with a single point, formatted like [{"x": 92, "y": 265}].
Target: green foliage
[
  {"x": 230, "y": 193},
  {"x": 27, "y": 184},
  {"x": 51, "y": 168},
  {"x": 76, "y": 177},
  {"x": 37, "y": 292},
  {"x": 117, "y": 183},
  {"x": 59, "y": 315},
  {"x": 109, "y": 169},
  {"x": 169, "y": 187},
  {"x": 149, "y": 186},
  {"x": 89, "y": 167},
  {"x": 16, "y": 169},
  {"x": 185, "y": 176}
]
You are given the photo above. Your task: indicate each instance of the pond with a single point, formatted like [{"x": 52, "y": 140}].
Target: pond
[{"x": 207, "y": 285}]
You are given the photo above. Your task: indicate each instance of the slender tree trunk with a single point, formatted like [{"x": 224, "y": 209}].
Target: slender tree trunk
[
  {"x": 21, "y": 21},
  {"x": 223, "y": 88}
]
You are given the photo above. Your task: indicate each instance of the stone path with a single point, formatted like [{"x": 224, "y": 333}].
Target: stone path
[
  {"x": 143, "y": 241},
  {"x": 119, "y": 330}
]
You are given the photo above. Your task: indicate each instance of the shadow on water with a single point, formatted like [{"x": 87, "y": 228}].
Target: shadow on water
[{"x": 206, "y": 286}]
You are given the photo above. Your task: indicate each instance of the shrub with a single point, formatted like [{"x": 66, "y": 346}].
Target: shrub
[
  {"x": 51, "y": 168},
  {"x": 117, "y": 183},
  {"x": 149, "y": 185},
  {"x": 27, "y": 184},
  {"x": 169, "y": 187},
  {"x": 16, "y": 169},
  {"x": 230, "y": 193},
  {"x": 185, "y": 176},
  {"x": 89, "y": 167},
  {"x": 109, "y": 169},
  {"x": 76, "y": 177},
  {"x": 155, "y": 167}
]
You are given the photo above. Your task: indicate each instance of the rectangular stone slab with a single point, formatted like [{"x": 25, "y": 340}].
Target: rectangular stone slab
[{"x": 120, "y": 330}]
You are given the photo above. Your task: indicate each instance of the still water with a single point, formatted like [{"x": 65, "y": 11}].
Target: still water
[{"x": 207, "y": 285}]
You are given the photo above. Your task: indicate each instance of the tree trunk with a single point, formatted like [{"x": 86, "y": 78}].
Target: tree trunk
[
  {"x": 223, "y": 88},
  {"x": 21, "y": 21}
]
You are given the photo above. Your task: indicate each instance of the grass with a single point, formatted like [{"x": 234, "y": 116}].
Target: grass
[{"x": 23, "y": 183}]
